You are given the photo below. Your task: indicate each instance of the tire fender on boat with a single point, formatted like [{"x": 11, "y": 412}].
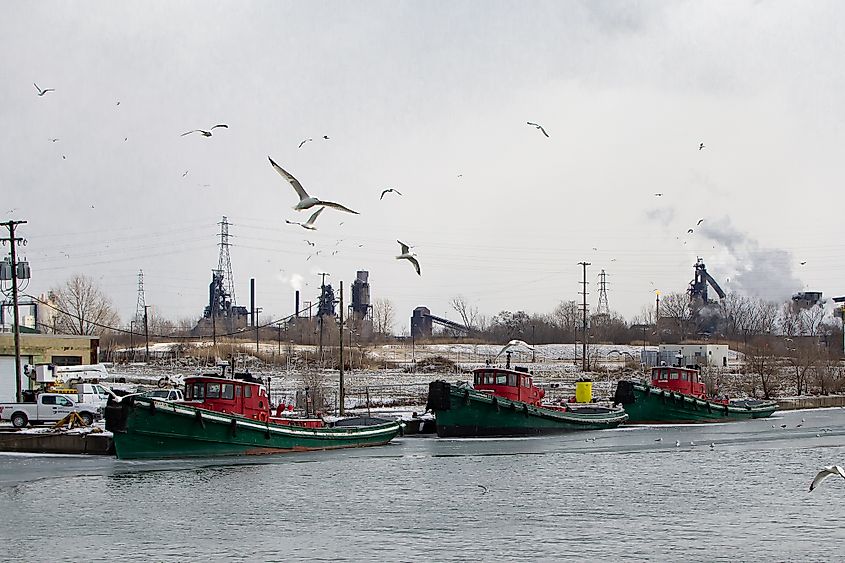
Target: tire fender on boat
[{"x": 262, "y": 416}]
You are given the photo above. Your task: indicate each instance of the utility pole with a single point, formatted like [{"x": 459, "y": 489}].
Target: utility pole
[
  {"x": 657, "y": 314},
  {"x": 584, "y": 311},
  {"x": 16, "y": 322},
  {"x": 132, "y": 338},
  {"x": 255, "y": 321},
  {"x": 146, "y": 335},
  {"x": 342, "y": 389},
  {"x": 320, "y": 310}
]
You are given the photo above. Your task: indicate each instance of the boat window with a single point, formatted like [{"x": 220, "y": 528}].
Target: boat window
[
  {"x": 247, "y": 391},
  {"x": 684, "y": 376},
  {"x": 213, "y": 391},
  {"x": 228, "y": 391},
  {"x": 512, "y": 380},
  {"x": 198, "y": 391},
  {"x": 502, "y": 379},
  {"x": 238, "y": 391},
  {"x": 489, "y": 378},
  {"x": 673, "y": 375}
]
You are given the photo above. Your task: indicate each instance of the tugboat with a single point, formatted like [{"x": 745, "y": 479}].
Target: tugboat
[
  {"x": 677, "y": 395},
  {"x": 505, "y": 402},
  {"x": 228, "y": 416}
]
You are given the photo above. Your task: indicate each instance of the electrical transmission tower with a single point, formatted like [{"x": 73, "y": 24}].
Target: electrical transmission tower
[
  {"x": 603, "y": 308},
  {"x": 224, "y": 264},
  {"x": 142, "y": 303}
]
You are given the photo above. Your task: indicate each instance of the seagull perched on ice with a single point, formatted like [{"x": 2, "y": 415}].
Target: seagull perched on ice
[
  {"x": 309, "y": 224},
  {"x": 397, "y": 192},
  {"x": 825, "y": 473},
  {"x": 538, "y": 126},
  {"x": 305, "y": 200},
  {"x": 205, "y": 133},
  {"x": 512, "y": 344},
  {"x": 44, "y": 91},
  {"x": 406, "y": 255}
]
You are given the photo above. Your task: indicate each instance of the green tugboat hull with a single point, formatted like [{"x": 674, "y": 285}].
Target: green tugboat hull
[
  {"x": 464, "y": 412},
  {"x": 646, "y": 404},
  {"x": 150, "y": 429}
]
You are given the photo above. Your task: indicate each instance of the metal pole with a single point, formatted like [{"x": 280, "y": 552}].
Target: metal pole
[
  {"x": 342, "y": 390},
  {"x": 146, "y": 335},
  {"x": 132, "y": 338},
  {"x": 254, "y": 320},
  {"x": 584, "y": 323},
  {"x": 15, "y": 328},
  {"x": 533, "y": 346}
]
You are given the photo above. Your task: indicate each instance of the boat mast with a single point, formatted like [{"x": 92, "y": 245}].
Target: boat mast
[{"x": 341, "y": 390}]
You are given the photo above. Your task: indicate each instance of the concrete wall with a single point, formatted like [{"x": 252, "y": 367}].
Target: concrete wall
[{"x": 792, "y": 403}]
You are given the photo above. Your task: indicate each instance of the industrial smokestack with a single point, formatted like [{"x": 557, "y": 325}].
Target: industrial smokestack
[
  {"x": 297, "y": 304},
  {"x": 252, "y": 301}
]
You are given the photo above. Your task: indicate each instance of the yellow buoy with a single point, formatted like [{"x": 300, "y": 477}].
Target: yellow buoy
[{"x": 584, "y": 391}]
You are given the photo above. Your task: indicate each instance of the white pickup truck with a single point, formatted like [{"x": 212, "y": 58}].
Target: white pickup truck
[{"x": 48, "y": 407}]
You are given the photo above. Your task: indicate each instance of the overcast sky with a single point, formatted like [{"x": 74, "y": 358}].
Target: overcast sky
[{"x": 432, "y": 99}]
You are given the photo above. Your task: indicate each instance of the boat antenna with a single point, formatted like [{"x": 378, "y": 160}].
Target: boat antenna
[{"x": 508, "y": 364}]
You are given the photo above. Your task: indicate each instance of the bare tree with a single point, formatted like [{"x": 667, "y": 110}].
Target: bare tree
[
  {"x": 675, "y": 308},
  {"x": 383, "y": 316},
  {"x": 761, "y": 362},
  {"x": 82, "y": 307},
  {"x": 467, "y": 312}
]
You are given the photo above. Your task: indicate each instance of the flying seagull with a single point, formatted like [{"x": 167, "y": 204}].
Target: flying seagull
[
  {"x": 538, "y": 126},
  {"x": 305, "y": 200},
  {"x": 309, "y": 224},
  {"x": 44, "y": 91},
  {"x": 699, "y": 222},
  {"x": 309, "y": 242},
  {"x": 204, "y": 132},
  {"x": 397, "y": 192},
  {"x": 658, "y": 195},
  {"x": 53, "y": 140},
  {"x": 326, "y": 137},
  {"x": 825, "y": 473},
  {"x": 804, "y": 262},
  {"x": 512, "y": 344},
  {"x": 303, "y": 142},
  {"x": 701, "y": 146},
  {"x": 689, "y": 231},
  {"x": 406, "y": 255},
  {"x": 484, "y": 489}
]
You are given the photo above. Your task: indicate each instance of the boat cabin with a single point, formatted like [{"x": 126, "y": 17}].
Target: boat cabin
[
  {"x": 678, "y": 379},
  {"x": 245, "y": 397},
  {"x": 514, "y": 384}
]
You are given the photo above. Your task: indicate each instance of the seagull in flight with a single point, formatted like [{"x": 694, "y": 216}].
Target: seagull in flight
[
  {"x": 658, "y": 195},
  {"x": 512, "y": 344},
  {"x": 53, "y": 140},
  {"x": 44, "y": 91},
  {"x": 305, "y": 200},
  {"x": 825, "y": 473},
  {"x": 538, "y": 126},
  {"x": 700, "y": 146},
  {"x": 689, "y": 231},
  {"x": 397, "y": 192},
  {"x": 309, "y": 242},
  {"x": 699, "y": 222},
  {"x": 309, "y": 224},
  {"x": 204, "y": 132},
  {"x": 804, "y": 262},
  {"x": 406, "y": 255},
  {"x": 303, "y": 142},
  {"x": 484, "y": 489}
]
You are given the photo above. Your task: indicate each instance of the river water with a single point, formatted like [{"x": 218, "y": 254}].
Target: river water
[{"x": 608, "y": 495}]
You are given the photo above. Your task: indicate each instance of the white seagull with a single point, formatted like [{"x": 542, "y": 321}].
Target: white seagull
[
  {"x": 397, "y": 192},
  {"x": 538, "y": 126},
  {"x": 406, "y": 255},
  {"x": 825, "y": 473},
  {"x": 203, "y": 132},
  {"x": 303, "y": 142},
  {"x": 305, "y": 200},
  {"x": 44, "y": 91},
  {"x": 512, "y": 344},
  {"x": 309, "y": 224}
]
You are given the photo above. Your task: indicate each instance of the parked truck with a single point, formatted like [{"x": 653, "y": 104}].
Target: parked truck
[{"x": 47, "y": 407}]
